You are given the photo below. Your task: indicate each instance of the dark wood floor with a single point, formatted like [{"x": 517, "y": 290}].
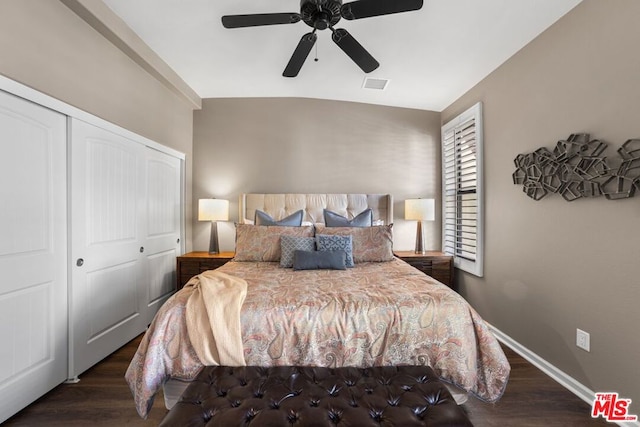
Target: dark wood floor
[
  {"x": 102, "y": 398},
  {"x": 532, "y": 399}
]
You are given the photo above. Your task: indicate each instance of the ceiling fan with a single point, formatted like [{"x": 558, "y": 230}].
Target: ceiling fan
[{"x": 323, "y": 14}]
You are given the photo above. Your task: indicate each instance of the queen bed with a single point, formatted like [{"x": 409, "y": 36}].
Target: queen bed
[{"x": 379, "y": 311}]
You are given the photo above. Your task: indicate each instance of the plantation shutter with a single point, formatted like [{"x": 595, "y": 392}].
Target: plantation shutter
[{"x": 462, "y": 190}]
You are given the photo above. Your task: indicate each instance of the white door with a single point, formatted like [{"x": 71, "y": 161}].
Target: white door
[
  {"x": 108, "y": 295},
  {"x": 162, "y": 227},
  {"x": 33, "y": 257}
]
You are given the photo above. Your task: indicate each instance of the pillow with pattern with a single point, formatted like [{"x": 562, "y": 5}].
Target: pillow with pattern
[
  {"x": 336, "y": 243},
  {"x": 370, "y": 244},
  {"x": 290, "y": 244},
  {"x": 262, "y": 243}
]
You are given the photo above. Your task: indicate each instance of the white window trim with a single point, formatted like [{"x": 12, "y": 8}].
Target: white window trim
[{"x": 475, "y": 112}]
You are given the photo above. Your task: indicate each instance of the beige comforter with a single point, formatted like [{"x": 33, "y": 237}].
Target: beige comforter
[{"x": 386, "y": 313}]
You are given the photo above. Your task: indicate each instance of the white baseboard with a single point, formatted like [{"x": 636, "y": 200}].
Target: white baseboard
[{"x": 556, "y": 374}]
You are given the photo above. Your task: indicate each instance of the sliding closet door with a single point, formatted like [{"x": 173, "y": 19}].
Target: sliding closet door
[
  {"x": 33, "y": 288},
  {"x": 162, "y": 227},
  {"x": 108, "y": 291}
]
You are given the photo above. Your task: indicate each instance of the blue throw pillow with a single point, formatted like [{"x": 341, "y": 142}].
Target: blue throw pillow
[
  {"x": 293, "y": 220},
  {"x": 326, "y": 242},
  {"x": 363, "y": 219},
  {"x": 315, "y": 260},
  {"x": 290, "y": 244}
]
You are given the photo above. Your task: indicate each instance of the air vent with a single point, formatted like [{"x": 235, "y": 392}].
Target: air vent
[{"x": 378, "y": 84}]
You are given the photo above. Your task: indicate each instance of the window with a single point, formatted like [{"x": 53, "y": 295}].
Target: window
[{"x": 462, "y": 225}]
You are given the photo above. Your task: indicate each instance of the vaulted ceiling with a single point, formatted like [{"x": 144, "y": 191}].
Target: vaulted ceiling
[{"x": 430, "y": 57}]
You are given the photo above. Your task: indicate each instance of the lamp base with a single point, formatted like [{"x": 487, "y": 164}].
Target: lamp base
[
  {"x": 213, "y": 240},
  {"x": 420, "y": 239}
]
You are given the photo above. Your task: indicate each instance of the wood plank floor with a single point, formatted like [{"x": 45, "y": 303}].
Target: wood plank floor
[{"x": 102, "y": 398}]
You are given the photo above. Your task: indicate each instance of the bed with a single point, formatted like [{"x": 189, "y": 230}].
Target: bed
[{"x": 378, "y": 312}]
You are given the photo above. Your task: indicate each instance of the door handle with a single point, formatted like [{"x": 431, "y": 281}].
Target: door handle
[
  {"x": 141, "y": 249},
  {"x": 79, "y": 262}
]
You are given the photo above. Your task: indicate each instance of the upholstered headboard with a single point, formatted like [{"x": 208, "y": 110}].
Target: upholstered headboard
[{"x": 279, "y": 206}]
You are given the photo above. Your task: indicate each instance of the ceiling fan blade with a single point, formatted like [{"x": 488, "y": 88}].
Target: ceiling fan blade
[
  {"x": 300, "y": 54},
  {"x": 258, "y": 19},
  {"x": 368, "y": 8},
  {"x": 356, "y": 52}
]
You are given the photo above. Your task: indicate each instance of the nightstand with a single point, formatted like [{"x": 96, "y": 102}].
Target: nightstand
[
  {"x": 194, "y": 263},
  {"x": 435, "y": 264}
]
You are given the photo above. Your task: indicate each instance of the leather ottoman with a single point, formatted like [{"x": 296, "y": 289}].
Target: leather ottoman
[{"x": 314, "y": 396}]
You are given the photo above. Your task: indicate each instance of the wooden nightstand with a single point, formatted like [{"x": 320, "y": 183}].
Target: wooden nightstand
[
  {"x": 435, "y": 264},
  {"x": 194, "y": 263}
]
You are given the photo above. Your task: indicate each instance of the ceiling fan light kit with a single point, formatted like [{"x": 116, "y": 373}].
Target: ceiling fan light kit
[{"x": 323, "y": 14}]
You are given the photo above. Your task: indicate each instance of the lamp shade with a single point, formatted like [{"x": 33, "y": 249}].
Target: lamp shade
[
  {"x": 213, "y": 210},
  {"x": 420, "y": 209}
]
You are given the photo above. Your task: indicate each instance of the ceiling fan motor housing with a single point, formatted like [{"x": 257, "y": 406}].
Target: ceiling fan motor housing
[{"x": 320, "y": 14}]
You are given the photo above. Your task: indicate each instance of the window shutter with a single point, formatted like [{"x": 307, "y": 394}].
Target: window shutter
[{"x": 462, "y": 190}]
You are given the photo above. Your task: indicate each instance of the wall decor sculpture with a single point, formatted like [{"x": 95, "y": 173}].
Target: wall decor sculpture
[{"x": 577, "y": 168}]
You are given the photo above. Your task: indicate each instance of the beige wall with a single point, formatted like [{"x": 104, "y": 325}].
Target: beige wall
[
  {"x": 554, "y": 266},
  {"x": 551, "y": 266},
  {"x": 314, "y": 146},
  {"x": 44, "y": 45}
]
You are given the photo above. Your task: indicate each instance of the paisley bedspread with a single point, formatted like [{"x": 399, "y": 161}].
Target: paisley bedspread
[{"x": 385, "y": 313}]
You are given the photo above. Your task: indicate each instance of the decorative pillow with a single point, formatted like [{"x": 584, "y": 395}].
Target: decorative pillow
[
  {"x": 315, "y": 260},
  {"x": 293, "y": 220},
  {"x": 336, "y": 243},
  {"x": 304, "y": 223},
  {"x": 370, "y": 244},
  {"x": 363, "y": 219},
  {"x": 290, "y": 244},
  {"x": 262, "y": 243}
]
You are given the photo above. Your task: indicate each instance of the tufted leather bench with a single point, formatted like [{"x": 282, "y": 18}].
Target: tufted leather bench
[{"x": 312, "y": 396}]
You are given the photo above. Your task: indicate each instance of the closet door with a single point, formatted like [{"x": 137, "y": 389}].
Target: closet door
[
  {"x": 33, "y": 252},
  {"x": 162, "y": 227},
  {"x": 108, "y": 290}
]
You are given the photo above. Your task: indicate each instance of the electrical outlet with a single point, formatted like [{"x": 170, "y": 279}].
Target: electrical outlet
[{"x": 583, "y": 340}]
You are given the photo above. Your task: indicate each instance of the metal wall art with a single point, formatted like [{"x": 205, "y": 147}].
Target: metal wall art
[{"x": 576, "y": 168}]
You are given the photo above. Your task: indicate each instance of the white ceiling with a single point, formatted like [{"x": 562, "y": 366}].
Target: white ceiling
[{"x": 431, "y": 56}]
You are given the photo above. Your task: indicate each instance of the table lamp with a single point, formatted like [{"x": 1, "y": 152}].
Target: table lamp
[
  {"x": 419, "y": 210},
  {"x": 213, "y": 210}
]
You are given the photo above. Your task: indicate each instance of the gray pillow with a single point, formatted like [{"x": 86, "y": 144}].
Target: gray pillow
[
  {"x": 315, "y": 260},
  {"x": 363, "y": 219},
  {"x": 290, "y": 244},
  {"x": 326, "y": 242},
  {"x": 293, "y": 220}
]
